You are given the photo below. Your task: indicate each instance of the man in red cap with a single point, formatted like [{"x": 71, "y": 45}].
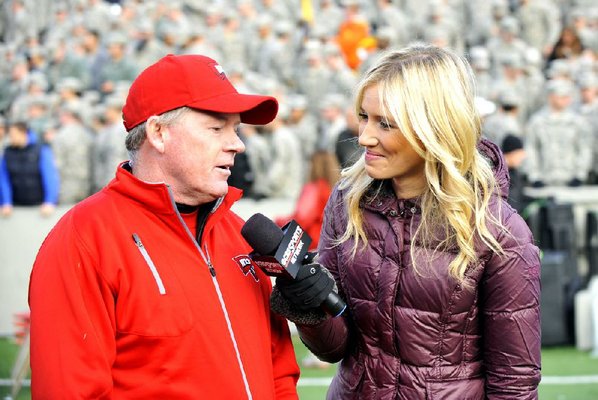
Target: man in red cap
[{"x": 144, "y": 290}]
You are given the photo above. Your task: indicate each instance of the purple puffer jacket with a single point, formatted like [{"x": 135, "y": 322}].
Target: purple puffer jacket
[{"x": 409, "y": 336}]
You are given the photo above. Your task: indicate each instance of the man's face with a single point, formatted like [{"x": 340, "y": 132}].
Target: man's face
[
  {"x": 17, "y": 137},
  {"x": 199, "y": 151},
  {"x": 330, "y": 113},
  {"x": 559, "y": 102},
  {"x": 116, "y": 51},
  {"x": 515, "y": 158},
  {"x": 588, "y": 94}
]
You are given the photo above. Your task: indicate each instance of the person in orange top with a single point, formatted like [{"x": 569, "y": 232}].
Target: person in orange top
[
  {"x": 309, "y": 209},
  {"x": 354, "y": 34}
]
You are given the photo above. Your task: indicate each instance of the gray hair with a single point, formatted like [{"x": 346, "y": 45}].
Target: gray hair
[{"x": 136, "y": 136}]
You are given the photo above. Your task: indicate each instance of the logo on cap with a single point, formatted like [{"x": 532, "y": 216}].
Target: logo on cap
[{"x": 219, "y": 71}]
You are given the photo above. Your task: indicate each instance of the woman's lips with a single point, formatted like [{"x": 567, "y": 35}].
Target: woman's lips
[{"x": 371, "y": 156}]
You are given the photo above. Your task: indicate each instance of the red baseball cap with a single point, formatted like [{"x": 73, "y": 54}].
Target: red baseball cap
[{"x": 194, "y": 81}]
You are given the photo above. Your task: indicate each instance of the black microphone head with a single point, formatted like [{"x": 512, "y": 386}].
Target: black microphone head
[{"x": 262, "y": 234}]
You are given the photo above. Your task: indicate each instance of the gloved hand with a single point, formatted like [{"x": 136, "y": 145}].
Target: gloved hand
[
  {"x": 309, "y": 289},
  {"x": 309, "y": 258},
  {"x": 574, "y": 182}
]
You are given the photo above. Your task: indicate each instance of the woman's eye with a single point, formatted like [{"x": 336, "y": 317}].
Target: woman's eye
[
  {"x": 362, "y": 116},
  {"x": 385, "y": 125}
]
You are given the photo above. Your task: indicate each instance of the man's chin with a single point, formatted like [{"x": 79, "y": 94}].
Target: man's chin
[
  {"x": 210, "y": 195},
  {"x": 219, "y": 191}
]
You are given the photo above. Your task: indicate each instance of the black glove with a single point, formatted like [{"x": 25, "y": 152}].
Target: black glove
[
  {"x": 574, "y": 182},
  {"x": 309, "y": 258},
  {"x": 309, "y": 289},
  {"x": 537, "y": 184}
]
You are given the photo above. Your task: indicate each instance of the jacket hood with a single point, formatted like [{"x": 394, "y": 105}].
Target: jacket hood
[{"x": 492, "y": 153}]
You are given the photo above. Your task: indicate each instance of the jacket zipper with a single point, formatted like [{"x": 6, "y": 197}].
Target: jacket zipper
[
  {"x": 206, "y": 257},
  {"x": 228, "y": 323},
  {"x": 149, "y": 263}
]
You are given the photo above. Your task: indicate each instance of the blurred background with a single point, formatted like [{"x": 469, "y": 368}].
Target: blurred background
[{"x": 66, "y": 66}]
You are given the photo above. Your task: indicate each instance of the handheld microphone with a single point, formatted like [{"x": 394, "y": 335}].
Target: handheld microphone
[{"x": 281, "y": 252}]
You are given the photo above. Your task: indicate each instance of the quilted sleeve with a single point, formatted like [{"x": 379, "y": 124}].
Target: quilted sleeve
[
  {"x": 510, "y": 293},
  {"x": 328, "y": 340}
]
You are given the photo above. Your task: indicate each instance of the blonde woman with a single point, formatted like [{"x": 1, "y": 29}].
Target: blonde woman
[{"x": 440, "y": 274}]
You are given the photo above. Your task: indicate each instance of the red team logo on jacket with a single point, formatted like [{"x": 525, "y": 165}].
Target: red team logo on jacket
[{"x": 246, "y": 265}]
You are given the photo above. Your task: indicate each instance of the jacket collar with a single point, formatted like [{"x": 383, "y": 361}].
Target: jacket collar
[
  {"x": 381, "y": 197},
  {"x": 157, "y": 197}
]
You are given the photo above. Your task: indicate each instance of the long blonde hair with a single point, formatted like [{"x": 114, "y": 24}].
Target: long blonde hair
[{"x": 429, "y": 93}]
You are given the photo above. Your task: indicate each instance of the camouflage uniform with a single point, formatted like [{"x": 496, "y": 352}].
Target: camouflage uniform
[
  {"x": 72, "y": 147},
  {"x": 285, "y": 169},
  {"x": 327, "y": 18},
  {"x": 478, "y": 19},
  {"x": 233, "y": 45},
  {"x": 540, "y": 23},
  {"x": 147, "y": 48},
  {"x": 479, "y": 58},
  {"x": 108, "y": 148},
  {"x": 558, "y": 143},
  {"x": 304, "y": 126},
  {"x": 313, "y": 79},
  {"x": 505, "y": 120},
  {"x": 118, "y": 69},
  {"x": 507, "y": 45},
  {"x": 284, "y": 54},
  {"x": 66, "y": 64},
  {"x": 589, "y": 110},
  {"x": 258, "y": 158}
]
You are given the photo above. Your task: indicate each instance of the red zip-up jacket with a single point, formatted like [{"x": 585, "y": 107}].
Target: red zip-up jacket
[{"x": 125, "y": 304}]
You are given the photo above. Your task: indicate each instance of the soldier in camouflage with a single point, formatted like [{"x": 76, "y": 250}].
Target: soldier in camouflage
[{"x": 558, "y": 141}]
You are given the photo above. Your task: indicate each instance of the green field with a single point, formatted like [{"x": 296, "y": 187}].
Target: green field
[{"x": 556, "y": 362}]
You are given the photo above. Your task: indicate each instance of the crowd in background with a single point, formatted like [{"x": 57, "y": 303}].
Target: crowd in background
[{"x": 66, "y": 66}]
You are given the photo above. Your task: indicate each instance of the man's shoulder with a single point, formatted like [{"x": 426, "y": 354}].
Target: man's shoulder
[{"x": 93, "y": 208}]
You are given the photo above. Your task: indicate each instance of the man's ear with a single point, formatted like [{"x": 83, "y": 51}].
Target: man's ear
[{"x": 155, "y": 134}]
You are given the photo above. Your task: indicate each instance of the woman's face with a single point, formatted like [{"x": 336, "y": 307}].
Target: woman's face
[{"x": 388, "y": 154}]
